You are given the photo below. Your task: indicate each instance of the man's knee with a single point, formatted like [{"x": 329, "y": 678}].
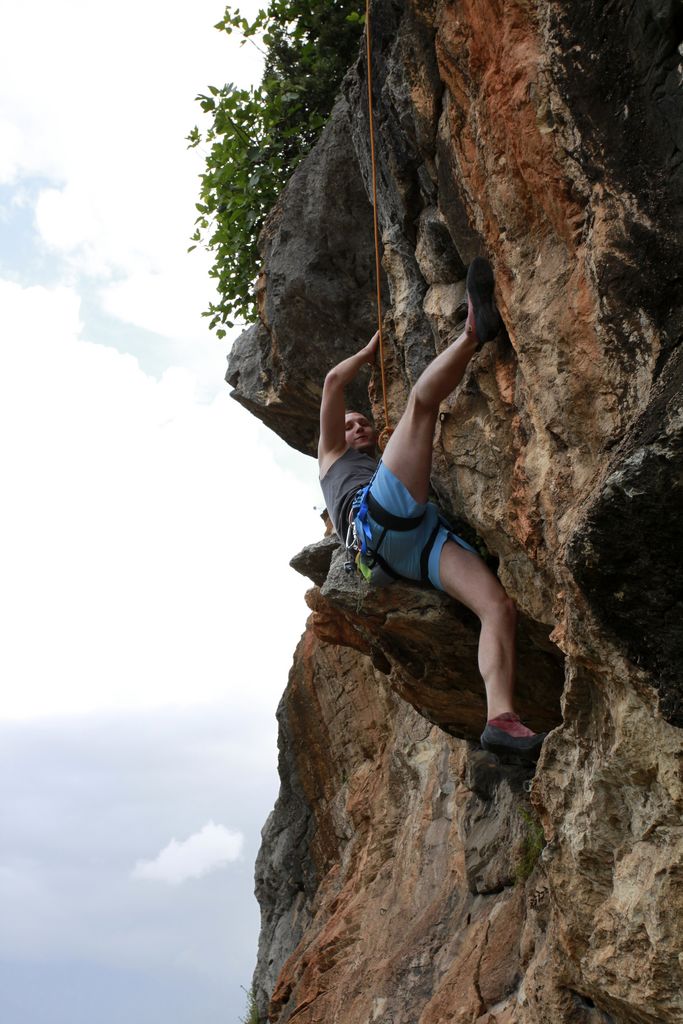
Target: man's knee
[
  {"x": 421, "y": 402},
  {"x": 502, "y": 607}
]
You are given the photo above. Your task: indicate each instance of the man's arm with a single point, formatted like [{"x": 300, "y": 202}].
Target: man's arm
[{"x": 332, "y": 441}]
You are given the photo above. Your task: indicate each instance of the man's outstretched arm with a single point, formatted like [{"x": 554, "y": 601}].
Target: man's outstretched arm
[{"x": 332, "y": 441}]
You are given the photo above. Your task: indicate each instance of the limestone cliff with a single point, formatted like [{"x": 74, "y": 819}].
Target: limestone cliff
[{"x": 398, "y": 877}]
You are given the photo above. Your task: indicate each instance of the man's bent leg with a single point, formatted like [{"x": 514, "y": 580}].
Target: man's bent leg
[
  {"x": 465, "y": 577},
  {"x": 409, "y": 452}
]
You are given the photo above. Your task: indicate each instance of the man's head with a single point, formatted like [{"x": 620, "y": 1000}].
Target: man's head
[{"x": 360, "y": 433}]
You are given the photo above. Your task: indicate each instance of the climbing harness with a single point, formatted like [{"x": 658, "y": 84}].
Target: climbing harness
[
  {"x": 386, "y": 433},
  {"x": 363, "y": 555}
]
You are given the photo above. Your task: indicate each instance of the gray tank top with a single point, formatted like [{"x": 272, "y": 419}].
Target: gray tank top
[{"x": 348, "y": 474}]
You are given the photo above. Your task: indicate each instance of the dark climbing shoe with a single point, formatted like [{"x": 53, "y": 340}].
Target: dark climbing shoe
[
  {"x": 480, "y": 291},
  {"x": 517, "y": 748}
]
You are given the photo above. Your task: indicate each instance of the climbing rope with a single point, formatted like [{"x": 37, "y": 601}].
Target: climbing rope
[{"x": 386, "y": 433}]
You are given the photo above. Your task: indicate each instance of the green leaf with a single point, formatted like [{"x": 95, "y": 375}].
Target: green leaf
[{"x": 256, "y": 137}]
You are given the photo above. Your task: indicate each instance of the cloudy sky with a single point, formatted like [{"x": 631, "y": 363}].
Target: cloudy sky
[{"x": 148, "y": 611}]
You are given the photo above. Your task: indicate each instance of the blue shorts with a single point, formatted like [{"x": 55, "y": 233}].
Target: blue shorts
[{"x": 402, "y": 549}]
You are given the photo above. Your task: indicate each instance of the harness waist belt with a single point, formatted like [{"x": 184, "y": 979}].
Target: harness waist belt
[{"x": 390, "y": 521}]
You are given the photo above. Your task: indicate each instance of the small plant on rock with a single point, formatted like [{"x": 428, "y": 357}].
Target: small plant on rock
[
  {"x": 534, "y": 841},
  {"x": 252, "y": 1016}
]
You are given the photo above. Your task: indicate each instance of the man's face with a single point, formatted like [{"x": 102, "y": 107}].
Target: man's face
[{"x": 360, "y": 433}]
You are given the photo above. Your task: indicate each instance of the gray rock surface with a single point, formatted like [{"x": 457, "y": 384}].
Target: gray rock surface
[
  {"x": 317, "y": 301},
  {"x": 628, "y": 552},
  {"x": 314, "y": 560},
  {"x": 285, "y": 876}
]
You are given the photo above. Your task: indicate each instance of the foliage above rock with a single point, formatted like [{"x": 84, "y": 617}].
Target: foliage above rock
[{"x": 258, "y": 135}]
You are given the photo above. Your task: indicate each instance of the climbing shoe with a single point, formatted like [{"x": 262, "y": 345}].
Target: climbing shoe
[
  {"x": 480, "y": 292},
  {"x": 517, "y": 748}
]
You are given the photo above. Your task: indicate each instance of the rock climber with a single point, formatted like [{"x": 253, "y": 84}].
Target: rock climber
[{"x": 406, "y": 535}]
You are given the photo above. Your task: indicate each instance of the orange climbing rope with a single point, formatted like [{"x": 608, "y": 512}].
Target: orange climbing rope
[{"x": 384, "y": 436}]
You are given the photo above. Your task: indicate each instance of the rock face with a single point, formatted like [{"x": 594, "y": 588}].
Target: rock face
[
  {"x": 317, "y": 285},
  {"x": 415, "y": 845},
  {"x": 398, "y": 877}
]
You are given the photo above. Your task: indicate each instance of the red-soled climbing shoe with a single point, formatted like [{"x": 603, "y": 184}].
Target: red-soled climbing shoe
[{"x": 508, "y": 738}]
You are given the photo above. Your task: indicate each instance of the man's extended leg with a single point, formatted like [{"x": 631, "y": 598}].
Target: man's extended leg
[
  {"x": 463, "y": 575},
  {"x": 409, "y": 451}
]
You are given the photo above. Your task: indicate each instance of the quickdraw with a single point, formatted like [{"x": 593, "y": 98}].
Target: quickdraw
[{"x": 359, "y": 535}]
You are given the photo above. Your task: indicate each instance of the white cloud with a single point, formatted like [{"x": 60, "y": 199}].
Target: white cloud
[
  {"x": 145, "y": 526},
  {"x": 10, "y": 150},
  {"x": 82, "y": 800},
  {"x": 150, "y": 522},
  {"x": 66, "y": 218},
  {"x": 169, "y": 302},
  {"x": 99, "y": 104},
  {"x": 213, "y": 847},
  {"x": 147, "y": 536}
]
